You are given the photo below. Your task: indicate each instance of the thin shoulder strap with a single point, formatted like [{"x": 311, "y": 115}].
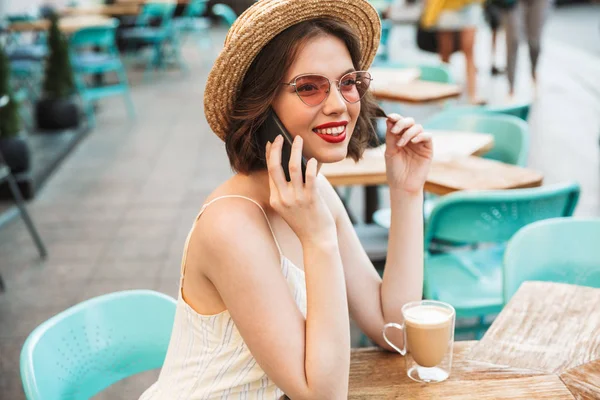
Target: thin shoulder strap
[{"x": 185, "y": 249}]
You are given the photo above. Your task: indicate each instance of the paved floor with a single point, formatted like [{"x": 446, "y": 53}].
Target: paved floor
[{"x": 116, "y": 213}]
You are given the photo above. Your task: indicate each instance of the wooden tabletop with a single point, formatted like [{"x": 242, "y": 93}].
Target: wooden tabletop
[
  {"x": 67, "y": 24},
  {"x": 454, "y": 166},
  {"x": 376, "y": 374},
  {"x": 416, "y": 91},
  {"x": 386, "y": 77},
  {"x": 107, "y": 9},
  {"x": 550, "y": 327},
  {"x": 476, "y": 173}
]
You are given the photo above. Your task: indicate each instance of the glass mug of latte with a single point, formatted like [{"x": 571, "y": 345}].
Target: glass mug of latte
[{"x": 428, "y": 331}]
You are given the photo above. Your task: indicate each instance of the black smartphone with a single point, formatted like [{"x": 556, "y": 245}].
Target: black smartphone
[{"x": 268, "y": 131}]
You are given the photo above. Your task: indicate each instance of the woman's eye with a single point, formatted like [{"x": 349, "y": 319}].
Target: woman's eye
[
  {"x": 349, "y": 82},
  {"x": 307, "y": 88}
]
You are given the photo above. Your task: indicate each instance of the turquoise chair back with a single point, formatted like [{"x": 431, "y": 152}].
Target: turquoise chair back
[
  {"x": 97, "y": 36},
  {"x": 473, "y": 217},
  {"x": 519, "y": 110},
  {"x": 511, "y": 134},
  {"x": 562, "y": 250},
  {"x": 429, "y": 72},
  {"x": 195, "y": 8},
  {"x": 225, "y": 13},
  {"x": 90, "y": 346},
  {"x": 156, "y": 11}
]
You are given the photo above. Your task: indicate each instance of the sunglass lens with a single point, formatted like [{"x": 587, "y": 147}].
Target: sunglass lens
[
  {"x": 312, "y": 89},
  {"x": 354, "y": 85}
]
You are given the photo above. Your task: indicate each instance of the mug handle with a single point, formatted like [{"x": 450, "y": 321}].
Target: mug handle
[{"x": 397, "y": 326}]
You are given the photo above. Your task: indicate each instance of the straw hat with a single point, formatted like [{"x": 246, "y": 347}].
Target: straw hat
[{"x": 258, "y": 25}]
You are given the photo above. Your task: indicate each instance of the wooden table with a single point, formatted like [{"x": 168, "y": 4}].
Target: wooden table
[
  {"x": 476, "y": 173},
  {"x": 108, "y": 9},
  {"x": 370, "y": 170},
  {"x": 416, "y": 91},
  {"x": 386, "y": 77},
  {"x": 545, "y": 344},
  {"x": 454, "y": 168},
  {"x": 553, "y": 328},
  {"x": 67, "y": 25},
  {"x": 376, "y": 374}
]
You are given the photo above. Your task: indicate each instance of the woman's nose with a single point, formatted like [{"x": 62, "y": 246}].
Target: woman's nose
[{"x": 335, "y": 103}]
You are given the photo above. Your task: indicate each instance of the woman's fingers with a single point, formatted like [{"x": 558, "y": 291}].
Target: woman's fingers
[
  {"x": 274, "y": 163},
  {"x": 311, "y": 176},
  {"x": 422, "y": 137},
  {"x": 401, "y": 125},
  {"x": 409, "y": 134},
  {"x": 295, "y": 166}
]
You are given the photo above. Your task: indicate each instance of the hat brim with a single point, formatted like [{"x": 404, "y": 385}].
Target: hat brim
[{"x": 258, "y": 25}]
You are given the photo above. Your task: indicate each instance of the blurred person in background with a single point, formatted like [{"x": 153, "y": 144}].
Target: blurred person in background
[
  {"x": 493, "y": 16},
  {"x": 533, "y": 14},
  {"x": 447, "y": 17}
]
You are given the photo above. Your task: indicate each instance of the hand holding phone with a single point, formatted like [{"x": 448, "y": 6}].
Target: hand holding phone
[{"x": 268, "y": 131}]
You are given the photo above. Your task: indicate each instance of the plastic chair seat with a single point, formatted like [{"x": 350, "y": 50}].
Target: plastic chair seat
[
  {"x": 33, "y": 52},
  {"x": 469, "y": 280},
  {"x": 25, "y": 68},
  {"x": 97, "y": 93},
  {"x": 191, "y": 24},
  {"x": 96, "y": 62},
  {"x": 146, "y": 34}
]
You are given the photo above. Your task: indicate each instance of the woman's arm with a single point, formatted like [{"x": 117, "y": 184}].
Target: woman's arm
[
  {"x": 373, "y": 302},
  {"x": 307, "y": 359}
]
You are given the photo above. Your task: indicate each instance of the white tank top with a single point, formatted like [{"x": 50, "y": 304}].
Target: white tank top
[{"x": 207, "y": 357}]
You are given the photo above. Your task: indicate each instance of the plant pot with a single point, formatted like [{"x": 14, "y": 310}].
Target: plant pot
[
  {"x": 15, "y": 151},
  {"x": 57, "y": 114}
]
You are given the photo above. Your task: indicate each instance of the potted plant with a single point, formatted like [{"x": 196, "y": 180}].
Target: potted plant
[
  {"x": 13, "y": 143},
  {"x": 57, "y": 109}
]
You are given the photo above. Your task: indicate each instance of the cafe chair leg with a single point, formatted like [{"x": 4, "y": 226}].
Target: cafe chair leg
[{"x": 25, "y": 215}]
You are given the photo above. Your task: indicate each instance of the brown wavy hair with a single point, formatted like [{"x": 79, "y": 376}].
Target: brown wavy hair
[{"x": 261, "y": 82}]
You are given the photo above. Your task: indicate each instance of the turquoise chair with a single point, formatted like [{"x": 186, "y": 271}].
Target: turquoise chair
[
  {"x": 104, "y": 59},
  {"x": 471, "y": 279},
  {"x": 154, "y": 27},
  {"x": 562, "y": 250},
  {"x": 511, "y": 134},
  {"x": 192, "y": 22},
  {"x": 225, "y": 13},
  {"x": 383, "y": 51},
  {"x": 519, "y": 110},
  {"x": 92, "y": 345}
]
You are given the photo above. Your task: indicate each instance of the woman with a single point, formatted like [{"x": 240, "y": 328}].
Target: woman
[
  {"x": 273, "y": 270},
  {"x": 448, "y": 17}
]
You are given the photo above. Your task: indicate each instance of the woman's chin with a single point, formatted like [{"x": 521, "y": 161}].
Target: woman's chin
[{"x": 332, "y": 156}]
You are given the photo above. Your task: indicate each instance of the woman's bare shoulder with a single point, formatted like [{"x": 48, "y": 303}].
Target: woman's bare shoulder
[{"x": 228, "y": 225}]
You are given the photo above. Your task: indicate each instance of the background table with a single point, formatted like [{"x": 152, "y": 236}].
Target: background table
[
  {"x": 449, "y": 172},
  {"x": 108, "y": 9},
  {"x": 386, "y": 77},
  {"x": 416, "y": 91},
  {"x": 67, "y": 25},
  {"x": 476, "y": 173}
]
